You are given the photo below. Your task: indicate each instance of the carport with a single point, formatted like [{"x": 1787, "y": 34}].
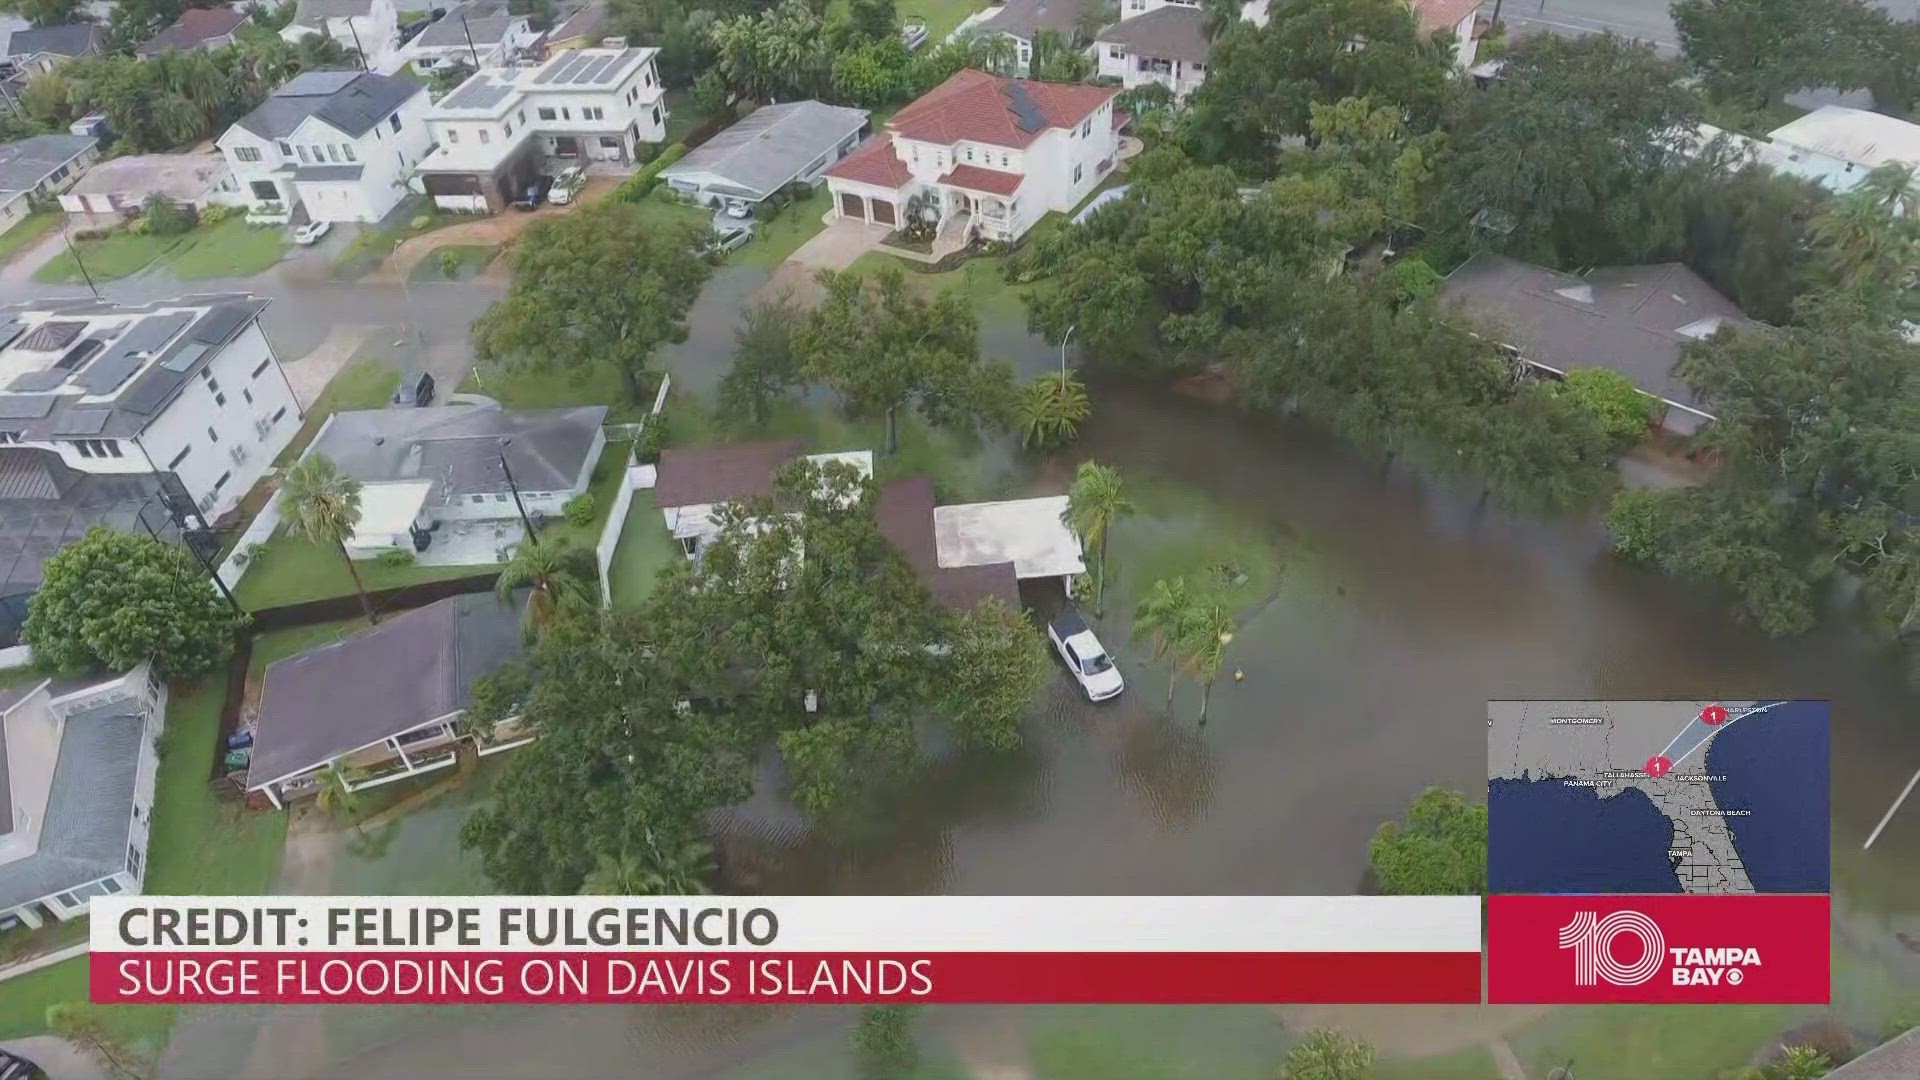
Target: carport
[{"x": 1028, "y": 533}]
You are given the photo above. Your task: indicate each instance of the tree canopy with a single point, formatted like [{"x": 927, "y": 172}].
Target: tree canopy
[
  {"x": 604, "y": 285},
  {"x": 115, "y": 598},
  {"x": 1440, "y": 849},
  {"x": 1753, "y": 53}
]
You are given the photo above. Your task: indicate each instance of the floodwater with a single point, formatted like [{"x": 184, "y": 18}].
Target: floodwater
[{"x": 1404, "y": 606}]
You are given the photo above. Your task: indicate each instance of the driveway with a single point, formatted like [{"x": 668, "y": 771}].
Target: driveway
[
  {"x": 493, "y": 230},
  {"x": 835, "y": 248}
]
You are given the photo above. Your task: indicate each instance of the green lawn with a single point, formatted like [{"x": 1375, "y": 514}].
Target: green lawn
[
  {"x": 1475, "y": 1064},
  {"x": 645, "y": 549},
  {"x": 200, "y": 845},
  {"x": 468, "y": 260},
  {"x": 28, "y": 232},
  {"x": 1633, "y": 1042},
  {"x": 981, "y": 279},
  {"x": 941, "y": 15},
  {"x": 362, "y": 384},
  {"x": 774, "y": 240},
  {"x": 1176, "y": 532},
  {"x": 529, "y": 388},
  {"x": 683, "y": 115},
  {"x": 232, "y": 248},
  {"x": 372, "y": 244},
  {"x": 116, "y": 255}
]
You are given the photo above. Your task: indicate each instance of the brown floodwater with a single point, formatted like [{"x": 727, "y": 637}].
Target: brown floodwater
[{"x": 1404, "y": 606}]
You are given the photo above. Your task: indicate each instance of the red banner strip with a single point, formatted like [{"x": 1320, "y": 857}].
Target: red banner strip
[
  {"x": 364, "y": 978},
  {"x": 1758, "y": 949}
]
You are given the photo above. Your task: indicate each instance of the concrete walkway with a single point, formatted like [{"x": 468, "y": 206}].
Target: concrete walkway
[
  {"x": 60, "y": 1058},
  {"x": 834, "y": 248},
  {"x": 1503, "y": 1056},
  {"x": 310, "y": 374},
  {"x": 21, "y": 268}
]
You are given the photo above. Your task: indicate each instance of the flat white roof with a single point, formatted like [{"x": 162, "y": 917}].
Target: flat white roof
[
  {"x": 387, "y": 509},
  {"x": 1857, "y": 135},
  {"x": 1026, "y": 532}
]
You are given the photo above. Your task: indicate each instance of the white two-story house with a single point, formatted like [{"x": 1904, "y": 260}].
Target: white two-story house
[
  {"x": 189, "y": 388},
  {"x": 479, "y": 35},
  {"x": 982, "y": 155},
  {"x": 496, "y": 132},
  {"x": 339, "y": 143},
  {"x": 1157, "y": 41},
  {"x": 368, "y": 27}
]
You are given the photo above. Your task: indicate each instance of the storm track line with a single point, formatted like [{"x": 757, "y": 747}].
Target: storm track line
[
  {"x": 1891, "y": 810},
  {"x": 1730, "y": 722}
]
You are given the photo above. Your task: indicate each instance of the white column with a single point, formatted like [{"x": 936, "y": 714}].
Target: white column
[
  {"x": 273, "y": 797},
  {"x": 394, "y": 741},
  {"x": 28, "y": 915}
]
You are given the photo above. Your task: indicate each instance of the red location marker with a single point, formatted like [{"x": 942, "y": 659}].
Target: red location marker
[
  {"x": 1714, "y": 715},
  {"x": 1659, "y": 765}
]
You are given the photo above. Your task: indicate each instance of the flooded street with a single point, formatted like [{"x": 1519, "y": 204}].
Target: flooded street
[{"x": 1401, "y": 607}]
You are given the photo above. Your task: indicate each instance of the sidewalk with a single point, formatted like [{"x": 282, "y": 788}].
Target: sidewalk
[{"x": 20, "y": 269}]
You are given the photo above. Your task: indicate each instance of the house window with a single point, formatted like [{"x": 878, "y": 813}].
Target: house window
[
  {"x": 285, "y": 150},
  {"x": 303, "y": 154},
  {"x": 500, "y": 497},
  {"x": 179, "y": 457},
  {"x": 135, "y": 860},
  {"x": 347, "y": 149},
  {"x": 8, "y": 438},
  {"x": 333, "y": 153},
  {"x": 1003, "y": 161},
  {"x": 247, "y": 394},
  {"x": 261, "y": 368},
  {"x": 969, "y": 153},
  {"x": 485, "y": 138},
  {"x": 278, "y": 415},
  {"x": 212, "y": 435},
  {"x": 565, "y": 113},
  {"x": 546, "y": 114},
  {"x": 1086, "y": 127},
  {"x": 690, "y": 545},
  {"x": 1115, "y": 52},
  {"x": 246, "y": 153},
  {"x": 656, "y": 114},
  {"x": 509, "y": 128},
  {"x": 265, "y": 191},
  {"x": 453, "y": 137},
  {"x": 85, "y": 449},
  {"x": 110, "y": 886},
  {"x": 522, "y": 114},
  {"x": 479, "y": 498},
  {"x": 222, "y": 482},
  {"x": 1076, "y": 174},
  {"x": 219, "y": 399},
  {"x": 394, "y": 120},
  {"x": 610, "y": 142}
]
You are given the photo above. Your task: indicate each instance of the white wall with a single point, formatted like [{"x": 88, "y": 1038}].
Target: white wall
[
  {"x": 1117, "y": 63},
  {"x": 384, "y": 155},
  {"x": 247, "y": 425},
  {"x": 635, "y": 111}
]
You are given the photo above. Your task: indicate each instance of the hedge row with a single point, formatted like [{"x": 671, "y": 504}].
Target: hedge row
[{"x": 635, "y": 187}]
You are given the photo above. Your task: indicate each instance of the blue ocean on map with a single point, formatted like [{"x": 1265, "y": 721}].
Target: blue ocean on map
[
  {"x": 1546, "y": 837},
  {"x": 1777, "y": 767}
]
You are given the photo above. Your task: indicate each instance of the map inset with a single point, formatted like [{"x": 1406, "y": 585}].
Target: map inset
[{"x": 1657, "y": 796}]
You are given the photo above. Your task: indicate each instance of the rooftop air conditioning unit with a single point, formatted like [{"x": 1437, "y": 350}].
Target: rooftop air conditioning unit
[{"x": 613, "y": 42}]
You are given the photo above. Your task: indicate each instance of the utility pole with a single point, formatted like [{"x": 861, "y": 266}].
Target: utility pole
[
  {"x": 357, "y": 47},
  {"x": 75, "y": 252},
  {"x": 471, "y": 51},
  {"x": 197, "y": 557},
  {"x": 532, "y": 536},
  {"x": 1063, "y": 355}
]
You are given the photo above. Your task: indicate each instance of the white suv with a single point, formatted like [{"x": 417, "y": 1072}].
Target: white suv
[{"x": 1088, "y": 660}]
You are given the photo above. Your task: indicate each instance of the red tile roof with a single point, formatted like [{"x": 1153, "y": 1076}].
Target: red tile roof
[
  {"x": 875, "y": 163},
  {"x": 1441, "y": 14},
  {"x": 905, "y": 514},
  {"x": 973, "y": 105},
  {"x": 975, "y": 178}
]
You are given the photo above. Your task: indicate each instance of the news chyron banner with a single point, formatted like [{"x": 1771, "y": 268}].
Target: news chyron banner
[
  {"x": 1658, "y": 851},
  {"x": 826, "y": 950}
]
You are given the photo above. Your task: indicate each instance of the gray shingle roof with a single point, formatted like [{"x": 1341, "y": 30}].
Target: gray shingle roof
[
  {"x": 89, "y": 812},
  {"x": 458, "y": 446},
  {"x": 194, "y": 27},
  {"x": 412, "y": 669},
  {"x": 311, "y": 12},
  {"x": 586, "y": 23},
  {"x": 352, "y": 101},
  {"x": 1168, "y": 33},
  {"x": 1632, "y": 319},
  {"x": 771, "y": 146},
  {"x": 1024, "y": 18},
  {"x": 24, "y": 164},
  {"x": 487, "y": 23},
  {"x": 72, "y": 39},
  {"x": 1896, "y": 1059}
]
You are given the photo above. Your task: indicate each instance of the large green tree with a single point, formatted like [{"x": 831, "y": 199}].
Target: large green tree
[
  {"x": 604, "y": 286},
  {"x": 765, "y": 364},
  {"x": 996, "y": 662},
  {"x": 1096, "y": 502},
  {"x": 1753, "y": 53},
  {"x": 45, "y": 12},
  {"x": 1262, "y": 82},
  {"x": 113, "y": 599},
  {"x": 1440, "y": 848},
  {"x": 1564, "y": 145},
  {"x": 884, "y": 346}
]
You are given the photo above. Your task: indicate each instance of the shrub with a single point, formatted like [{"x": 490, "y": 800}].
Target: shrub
[
  {"x": 885, "y": 1041},
  {"x": 420, "y": 221},
  {"x": 579, "y": 510},
  {"x": 396, "y": 558},
  {"x": 164, "y": 217},
  {"x": 643, "y": 181},
  {"x": 653, "y": 439},
  {"x": 450, "y": 263},
  {"x": 668, "y": 195},
  {"x": 217, "y": 213},
  {"x": 1623, "y": 412},
  {"x": 1412, "y": 280}
]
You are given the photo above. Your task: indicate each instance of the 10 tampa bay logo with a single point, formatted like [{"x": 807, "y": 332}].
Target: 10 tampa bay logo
[{"x": 1592, "y": 938}]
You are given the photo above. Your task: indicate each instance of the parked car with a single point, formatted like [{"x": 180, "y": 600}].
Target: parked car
[
  {"x": 739, "y": 208},
  {"x": 567, "y": 185},
  {"x": 1088, "y": 660},
  {"x": 725, "y": 240},
  {"x": 415, "y": 390},
  {"x": 535, "y": 194},
  {"x": 15, "y": 1067},
  {"x": 913, "y": 32},
  {"x": 309, "y": 234}
]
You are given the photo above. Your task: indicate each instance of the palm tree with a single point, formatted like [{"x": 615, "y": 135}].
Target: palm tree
[
  {"x": 1894, "y": 187},
  {"x": 322, "y": 504},
  {"x": 620, "y": 875},
  {"x": 672, "y": 871},
  {"x": 1096, "y": 500},
  {"x": 556, "y": 573},
  {"x": 335, "y": 794},
  {"x": 1866, "y": 243},
  {"x": 1050, "y": 409},
  {"x": 1203, "y": 647},
  {"x": 1161, "y": 614}
]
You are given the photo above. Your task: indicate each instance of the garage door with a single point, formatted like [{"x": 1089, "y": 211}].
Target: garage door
[
  {"x": 883, "y": 212},
  {"x": 850, "y": 205}
]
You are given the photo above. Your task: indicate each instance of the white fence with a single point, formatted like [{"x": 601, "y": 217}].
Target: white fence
[{"x": 633, "y": 477}]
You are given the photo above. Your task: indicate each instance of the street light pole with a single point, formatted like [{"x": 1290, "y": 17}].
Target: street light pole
[
  {"x": 532, "y": 537},
  {"x": 1063, "y": 355},
  {"x": 75, "y": 252}
]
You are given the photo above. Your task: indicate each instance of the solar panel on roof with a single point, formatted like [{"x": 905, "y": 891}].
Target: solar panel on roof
[
  {"x": 108, "y": 372},
  {"x": 556, "y": 71},
  {"x": 183, "y": 356},
  {"x": 9, "y": 330},
  {"x": 82, "y": 422},
  {"x": 152, "y": 332},
  {"x": 218, "y": 324},
  {"x": 147, "y": 395},
  {"x": 591, "y": 72},
  {"x": 1026, "y": 112},
  {"x": 38, "y": 380},
  {"x": 25, "y": 406}
]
